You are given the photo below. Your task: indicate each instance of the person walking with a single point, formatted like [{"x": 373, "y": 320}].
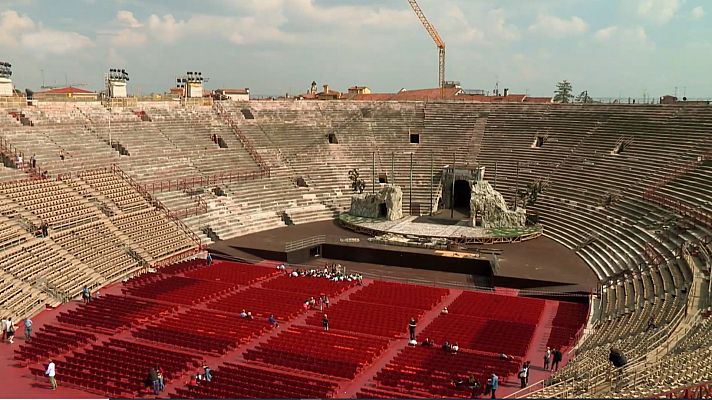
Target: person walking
[
  {"x": 28, "y": 329},
  {"x": 325, "y": 322},
  {"x": 411, "y": 329},
  {"x": 50, "y": 372}
]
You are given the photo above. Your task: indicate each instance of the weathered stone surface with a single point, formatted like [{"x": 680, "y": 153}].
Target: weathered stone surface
[
  {"x": 493, "y": 209},
  {"x": 369, "y": 205}
]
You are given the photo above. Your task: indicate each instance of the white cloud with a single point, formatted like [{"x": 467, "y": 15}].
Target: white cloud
[
  {"x": 606, "y": 33},
  {"x": 20, "y": 30},
  {"x": 128, "y": 38},
  {"x": 127, "y": 18},
  {"x": 553, "y": 26},
  {"x": 658, "y": 11},
  {"x": 55, "y": 42},
  {"x": 166, "y": 29},
  {"x": 698, "y": 12},
  {"x": 12, "y": 25},
  {"x": 624, "y": 36},
  {"x": 491, "y": 26}
]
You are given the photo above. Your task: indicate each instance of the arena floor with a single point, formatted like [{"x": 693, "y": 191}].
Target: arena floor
[
  {"x": 188, "y": 293},
  {"x": 542, "y": 259}
]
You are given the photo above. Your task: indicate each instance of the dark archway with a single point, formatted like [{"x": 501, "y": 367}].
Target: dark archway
[
  {"x": 382, "y": 210},
  {"x": 462, "y": 195}
]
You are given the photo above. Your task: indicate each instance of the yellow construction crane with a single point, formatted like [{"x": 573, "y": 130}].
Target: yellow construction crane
[{"x": 436, "y": 38}]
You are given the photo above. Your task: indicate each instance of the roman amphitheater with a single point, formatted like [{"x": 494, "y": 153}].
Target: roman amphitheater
[{"x": 127, "y": 200}]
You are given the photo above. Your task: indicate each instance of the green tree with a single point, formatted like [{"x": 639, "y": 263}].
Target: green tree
[{"x": 563, "y": 92}]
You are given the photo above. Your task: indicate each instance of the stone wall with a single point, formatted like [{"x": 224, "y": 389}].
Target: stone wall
[
  {"x": 370, "y": 205},
  {"x": 493, "y": 209}
]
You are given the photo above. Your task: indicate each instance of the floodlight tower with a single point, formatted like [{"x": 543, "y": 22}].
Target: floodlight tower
[
  {"x": 192, "y": 84},
  {"x": 6, "y": 89},
  {"x": 116, "y": 83},
  {"x": 115, "y": 89}
]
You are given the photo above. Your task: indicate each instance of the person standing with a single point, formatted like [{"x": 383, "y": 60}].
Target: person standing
[
  {"x": 153, "y": 376},
  {"x": 209, "y": 260},
  {"x": 325, "y": 322},
  {"x": 411, "y": 328},
  {"x": 86, "y": 295},
  {"x": 556, "y": 359},
  {"x": 28, "y": 329},
  {"x": 161, "y": 381},
  {"x": 33, "y": 160},
  {"x": 523, "y": 376},
  {"x": 547, "y": 358},
  {"x": 495, "y": 385},
  {"x": 207, "y": 372},
  {"x": 10, "y": 331},
  {"x": 50, "y": 372}
]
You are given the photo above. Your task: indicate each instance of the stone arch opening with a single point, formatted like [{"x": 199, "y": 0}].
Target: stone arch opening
[{"x": 461, "y": 197}]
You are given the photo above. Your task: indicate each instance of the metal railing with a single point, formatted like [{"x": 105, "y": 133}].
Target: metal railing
[
  {"x": 246, "y": 143},
  {"x": 159, "y": 206},
  {"x": 202, "y": 181},
  {"x": 304, "y": 243},
  {"x": 701, "y": 390}
]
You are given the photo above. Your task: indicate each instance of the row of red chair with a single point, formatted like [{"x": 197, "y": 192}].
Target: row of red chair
[
  {"x": 183, "y": 267},
  {"x": 419, "y": 370},
  {"x": 245, "y": 381},
  {"x": 488, "y": 335},
  {"x": 400, "y": 294},
  {"x": 119, "y": 366},
  {"x": 208, "y": 331},
  {"x": 111, "y": 313},
  {"x": 181, "y": 290},
  {"x": 501, "y": 307},
  {"x": 240, "y": 273},
  {"x": 370, "y": 318},
  {"x": 187, "y": 339},
  {"x": 52, "y": 340},
  {"x": 315, "y": 350},
  {"x": 262, "y": 302},
  {"x": 569, "y": 318}
]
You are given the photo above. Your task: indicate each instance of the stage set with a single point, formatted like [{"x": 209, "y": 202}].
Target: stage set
[{"x": 487, "y": 246}]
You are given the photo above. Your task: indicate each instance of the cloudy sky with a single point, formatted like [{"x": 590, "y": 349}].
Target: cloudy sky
[{"x": 610, "y": 48}]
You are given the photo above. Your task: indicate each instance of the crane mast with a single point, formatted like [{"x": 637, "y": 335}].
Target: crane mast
[{"x": 436, "y": 38}]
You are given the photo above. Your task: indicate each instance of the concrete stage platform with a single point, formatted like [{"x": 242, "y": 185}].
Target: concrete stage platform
[
  {"x": 537, "y": 264},
  {"x": 439, "y": 226}
]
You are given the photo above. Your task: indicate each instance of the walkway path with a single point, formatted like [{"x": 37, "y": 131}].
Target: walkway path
[
  {"x": 349, "y": 389},
  {"x": 537, "y": 348}
]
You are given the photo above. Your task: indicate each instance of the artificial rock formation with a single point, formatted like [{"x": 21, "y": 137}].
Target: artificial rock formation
[
  {"x": 386, "y": 203},
  {"x": 493, "y": 209}
]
